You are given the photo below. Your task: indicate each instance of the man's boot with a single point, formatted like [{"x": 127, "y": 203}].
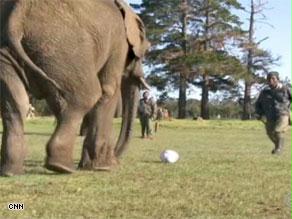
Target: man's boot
[{"x": 279, "y": 144}]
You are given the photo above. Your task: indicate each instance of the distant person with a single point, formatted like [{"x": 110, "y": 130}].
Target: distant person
[
  {"x": 146, "y": 112},
  {"x": 31, "y": 112},
  {"x": 169, "y": 114},
  {"x": 159, "y": 117},
  {"x": 274, "y": 104}
]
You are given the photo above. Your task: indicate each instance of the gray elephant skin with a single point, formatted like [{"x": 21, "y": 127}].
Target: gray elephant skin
[{"x": 78, "y": 55}]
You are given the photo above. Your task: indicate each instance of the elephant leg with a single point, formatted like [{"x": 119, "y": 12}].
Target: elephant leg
[
  {"x": 98, "y": 148},
  {"x": 60, "y": 146},
  {"x": 91, "y": 129},
  {"x": 84, "y": 125},
  {"x": 88, "y": 130},
  {"x": 14, "y": 106}
]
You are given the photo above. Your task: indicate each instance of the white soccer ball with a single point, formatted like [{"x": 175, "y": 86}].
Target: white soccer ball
[{"x": 169, "y": 156}]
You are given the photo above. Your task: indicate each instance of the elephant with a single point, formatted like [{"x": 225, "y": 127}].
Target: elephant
[{"x": 79, "y": 56}]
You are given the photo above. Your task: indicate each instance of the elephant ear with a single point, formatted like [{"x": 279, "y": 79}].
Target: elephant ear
[{"x": 135, "y": 29}]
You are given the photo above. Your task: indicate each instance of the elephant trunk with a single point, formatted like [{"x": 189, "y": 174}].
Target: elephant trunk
[
  {"x": 144, "y": 83},
  {"x": 130, "y": 98}
]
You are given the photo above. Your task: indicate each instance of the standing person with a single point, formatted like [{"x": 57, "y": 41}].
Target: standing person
[
  {"x": 31, "y": 112},
  {"x": 274, "y": 103},
  {"x": 146, "y": 111},
  {"x": 159, "y": 116}
]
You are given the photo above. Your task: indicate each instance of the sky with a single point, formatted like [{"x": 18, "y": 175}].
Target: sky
[{"x": 278, "y": 15}]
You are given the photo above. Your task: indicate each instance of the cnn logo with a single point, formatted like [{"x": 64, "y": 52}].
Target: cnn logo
[{"x": 16, "y": 206}]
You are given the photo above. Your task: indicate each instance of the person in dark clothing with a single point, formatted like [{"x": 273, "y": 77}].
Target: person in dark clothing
[
  {"x": 146, "y": 112},
  {"x": 274, "y": 103}
]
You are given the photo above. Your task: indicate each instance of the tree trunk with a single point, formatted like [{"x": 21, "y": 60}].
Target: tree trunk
[
  {"x": 182, "y": 101},
  {"x": 248, "y": 82},
  {"x": 247, "y": 102},
  {"x": 205, "y": 84},
  {"x": 205, "y": 98}
]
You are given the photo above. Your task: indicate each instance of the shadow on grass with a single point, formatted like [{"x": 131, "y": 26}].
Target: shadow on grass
[
  {"x": 144, "y": 139},
  {"x": 36, "y": 167},
  {"x": 151, "y": 161},
  {"x": 137, "y": 136},
  {"x": 33, "y": 133},
  {"x": 33, "y": 163},
  {"x": 41, "y": 171}
]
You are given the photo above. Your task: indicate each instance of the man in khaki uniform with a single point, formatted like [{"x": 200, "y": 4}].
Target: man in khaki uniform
[
  {"x": 146, "y": 112},
  {"x": 274, "y": 103}
]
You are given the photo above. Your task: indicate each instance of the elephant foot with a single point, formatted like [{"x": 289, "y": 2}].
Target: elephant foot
[
  {"x": 96, "y": 165},
  {"x": 11, "y": 171},
  {"x": 57, "y": 167},
  {"x": 107, "y": 165}
]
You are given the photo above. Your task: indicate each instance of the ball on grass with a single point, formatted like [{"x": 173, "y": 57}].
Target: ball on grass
[{"x": 169, "y": 156}]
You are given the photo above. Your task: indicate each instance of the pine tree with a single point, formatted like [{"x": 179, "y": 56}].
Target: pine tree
[
  {"x": 183, "y": 32},
  {"x": 216, "y": 28},
  {"x": 167, "y": 24},
  {"x": 257, "y": 60}
]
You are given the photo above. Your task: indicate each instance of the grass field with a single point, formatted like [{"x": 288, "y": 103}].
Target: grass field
[{"x": 225, "y": 171}]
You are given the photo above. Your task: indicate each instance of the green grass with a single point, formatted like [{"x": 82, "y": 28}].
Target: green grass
[{"x": 225, "y": 171}]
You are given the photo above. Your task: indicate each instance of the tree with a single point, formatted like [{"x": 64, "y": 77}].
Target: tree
[
  {"x": 257, "y": 60},
  {"x": 216, "y": 28},
  {"x": 167, "y": 28},
  {"x": 175, "y": 29}
]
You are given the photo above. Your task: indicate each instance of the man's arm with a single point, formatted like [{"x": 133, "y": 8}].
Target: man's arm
[
  {"x": 289, "y": 93},
  {"x": 140, "y": 108},
  {"x": 258, "y": 106}
]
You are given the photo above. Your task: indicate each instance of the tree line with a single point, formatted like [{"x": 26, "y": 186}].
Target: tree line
[{"x": 205, "y": 43}]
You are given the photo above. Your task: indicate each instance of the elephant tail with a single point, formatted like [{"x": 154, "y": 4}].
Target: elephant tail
[
  {"x": 15, "y": 34},
  {"x": 130, "y": 99}
]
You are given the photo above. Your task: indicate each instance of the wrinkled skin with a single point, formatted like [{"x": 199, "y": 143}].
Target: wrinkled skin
[{"x": 77, "y": 56}]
